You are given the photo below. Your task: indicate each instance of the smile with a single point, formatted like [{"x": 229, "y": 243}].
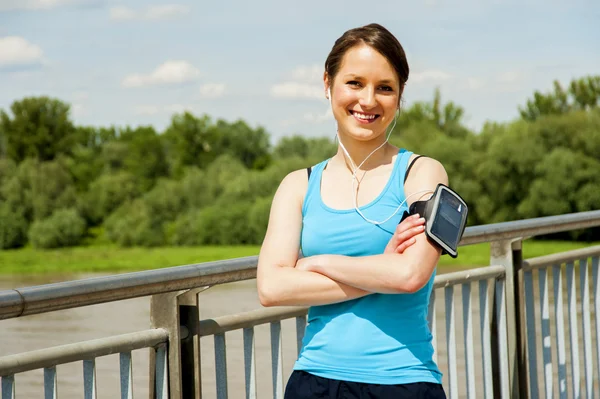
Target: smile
[{"x": 364, "y": 118}]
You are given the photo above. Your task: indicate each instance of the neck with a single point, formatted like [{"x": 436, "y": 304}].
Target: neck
[{"x": 360, "y": 150}]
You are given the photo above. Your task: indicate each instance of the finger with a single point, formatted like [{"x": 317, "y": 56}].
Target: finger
[
  {"x": 410, "y": 222},
  {"x": 402, "y": 247},
  {"x": 405, "y": 235},
  {"x": 393, "y": 243}
]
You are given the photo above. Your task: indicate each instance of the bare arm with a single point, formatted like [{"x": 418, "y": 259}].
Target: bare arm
[
  {"x": 278, "y": 281},
  {"x": 281, "y": 279},
  {"x": 389, "y": 272}
]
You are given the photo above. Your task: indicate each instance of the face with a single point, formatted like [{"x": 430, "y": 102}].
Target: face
[{"x": 365, "y": 94}]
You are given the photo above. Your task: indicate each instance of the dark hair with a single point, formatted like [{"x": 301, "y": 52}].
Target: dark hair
[{"x": 375, "y": 36}]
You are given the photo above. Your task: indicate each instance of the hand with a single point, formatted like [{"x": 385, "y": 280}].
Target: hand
[
  {"x": 304, "y": 263},
  {"x": 405, "y": 233}
]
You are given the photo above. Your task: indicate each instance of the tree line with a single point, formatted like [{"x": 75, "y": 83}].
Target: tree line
[{"x": 210, "y": 182}]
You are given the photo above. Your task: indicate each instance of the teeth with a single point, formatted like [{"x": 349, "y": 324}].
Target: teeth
[{"x": 363, "y": 116}]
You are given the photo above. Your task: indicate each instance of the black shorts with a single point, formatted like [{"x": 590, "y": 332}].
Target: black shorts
[{"x": 303, "y": 385}]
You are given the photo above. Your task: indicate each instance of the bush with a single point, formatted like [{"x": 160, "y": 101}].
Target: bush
[
  {"x": 226, "y": 224},
  {"x": 186, "y": 229},
  {"x": 106, "y": 194},
  {"x": 133, "y": 224},
  {"x": 64, "y": 228},
  {"x": 13, "y": 228}
]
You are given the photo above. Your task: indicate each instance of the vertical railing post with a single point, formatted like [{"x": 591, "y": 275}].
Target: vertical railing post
[
  {"x": 508, "y": 253},
  {"x": 164, "y": 313},
  {"x": 189, "y": 317}
]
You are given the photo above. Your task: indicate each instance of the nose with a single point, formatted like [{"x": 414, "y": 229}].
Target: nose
[{"x": 367, "y": 98}]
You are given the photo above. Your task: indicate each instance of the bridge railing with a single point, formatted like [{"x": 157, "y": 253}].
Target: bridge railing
[{"x": 499, "y": 358}]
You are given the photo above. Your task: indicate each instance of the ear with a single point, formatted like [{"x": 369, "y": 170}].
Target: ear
[{"x": 326, "y": 84}]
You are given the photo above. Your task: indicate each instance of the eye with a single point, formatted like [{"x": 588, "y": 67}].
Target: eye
[
  {"x": 353, "y": 83},
  {"x": 386, "y": 88}
]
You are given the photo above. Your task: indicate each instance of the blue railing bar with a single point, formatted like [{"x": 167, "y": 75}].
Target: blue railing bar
[
  {"x": 276, "y": 360},
  {"x": 486, "y": 293},
  {"x": 250, "y": 363},
  {"x": 126, "y": 375},
  {"x": 531, "y": 335},
  {"x": 468, "y": 340},
  {"x": 596, "y": 283},
  {"x": 573, "y": 330},
  {"x": 8, "y": 387},
  {"x": 546, "y": 338},
  {"x": 451, "y": 342},
  {"x": 559, "y": 324},
  {"x": 161, "y": 379},
  {"x": 50, "y": 388},
  {"x": 221, "y": 365},
  {"x": 89, "y": 379},
  {"x": 584, "y": 286},
  {"x": 50, "y": 357}
]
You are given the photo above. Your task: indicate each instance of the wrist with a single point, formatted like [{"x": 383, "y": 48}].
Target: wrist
[{"x": 318, "y": 263}]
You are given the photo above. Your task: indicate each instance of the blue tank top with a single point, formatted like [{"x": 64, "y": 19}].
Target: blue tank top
[{"x": 379, "y": 338}]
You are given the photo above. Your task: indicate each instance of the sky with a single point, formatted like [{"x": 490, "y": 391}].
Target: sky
[{"x": 139, "y": 62}]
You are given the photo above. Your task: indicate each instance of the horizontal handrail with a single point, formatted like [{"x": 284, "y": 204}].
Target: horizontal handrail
[
  {"x": 530, "y": 227},
  {"x": 468, "y": 276},
  {"x": 222, "y": 324},
  {"x": 72, "y": 294},
  {"x": 560, "y": 258},
  {"x": 50, "y": 357}
]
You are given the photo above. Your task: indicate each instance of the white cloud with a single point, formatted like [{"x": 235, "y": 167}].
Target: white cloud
[
  {"x": 475, "y": 83},
  {"x": 308, "y": 74},
  {"x": 212, "y": 90},
  {"x": 15, "y": 50},
  {"x": 171, "y": 72},
  {"x": 9, "y": 5},
  {"x": 146, "y": 110},
  {"x": 78, "y": 110},
  {"x": 165, "y": 11},
  {"x": 430, "y": 75},
  {"x": 318, "y": 118},
  {"x": 510, "y": 77},
  {"x": 297, "y": 90},
  {"x": 121, "y": 13}
]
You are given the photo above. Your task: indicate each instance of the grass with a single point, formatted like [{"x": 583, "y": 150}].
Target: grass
[
  {"x": 112, "y": 259},
  {"x": 479, "y": 254},
  {"x": 109, "y": 258}
]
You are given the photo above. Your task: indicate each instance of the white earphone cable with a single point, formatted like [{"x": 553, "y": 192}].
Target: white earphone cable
[{"x": 356, "y": 168}]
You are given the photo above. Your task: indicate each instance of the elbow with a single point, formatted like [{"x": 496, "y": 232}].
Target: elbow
[
  {"x": 266, "y": 295},
  {"x": 413, "y": 285},
  {"x": 413, "y": 280}
]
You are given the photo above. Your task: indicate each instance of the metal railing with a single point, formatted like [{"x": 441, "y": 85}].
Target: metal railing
[{"x": 499, "y": 330}]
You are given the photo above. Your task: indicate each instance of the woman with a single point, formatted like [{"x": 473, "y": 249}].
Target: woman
[{"x": 366, "y": 279}]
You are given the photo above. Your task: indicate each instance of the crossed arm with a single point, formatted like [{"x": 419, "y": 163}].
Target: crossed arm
[{"x": 283, "y": 279}]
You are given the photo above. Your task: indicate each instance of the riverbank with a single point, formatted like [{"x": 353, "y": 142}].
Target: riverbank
[{"x": 108, "y": 258}]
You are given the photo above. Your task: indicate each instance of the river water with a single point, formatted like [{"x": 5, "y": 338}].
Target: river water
[{"x": 97, "y": 321}]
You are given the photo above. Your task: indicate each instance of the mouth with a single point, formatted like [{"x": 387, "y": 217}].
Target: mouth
[{"x": 363, "y": 117}]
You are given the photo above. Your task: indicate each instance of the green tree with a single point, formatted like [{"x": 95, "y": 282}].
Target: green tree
[
  {"x": 144, "y": 155},
  {"x": 189, "y": 142},
  {"x": 106, "y": 194},
  {"x": 447, "y": 117},
  {"x": 299, "y": 146},
  {"x": 39, "y": 127},
  {"x": 582, "y": 94}
]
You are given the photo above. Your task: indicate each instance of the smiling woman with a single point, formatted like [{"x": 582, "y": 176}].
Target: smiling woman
[{"x": 366, "y": 276}]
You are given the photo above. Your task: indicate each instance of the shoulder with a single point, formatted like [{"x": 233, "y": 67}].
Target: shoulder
[
  {"x": 426, "y": 173},
  {"x": 294, "y": 185}
]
